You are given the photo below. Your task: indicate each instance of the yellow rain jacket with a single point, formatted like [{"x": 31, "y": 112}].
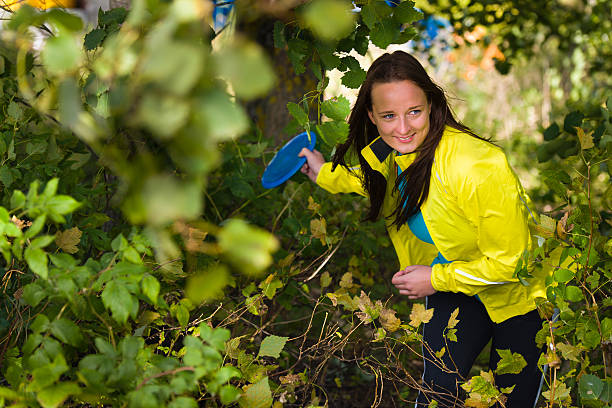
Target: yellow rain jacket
[{"x": 476, "y": 213}]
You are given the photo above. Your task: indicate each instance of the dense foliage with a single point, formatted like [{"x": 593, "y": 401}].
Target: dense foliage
[{"x": 144, "y": 264}]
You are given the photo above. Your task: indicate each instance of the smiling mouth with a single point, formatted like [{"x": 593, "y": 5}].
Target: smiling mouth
[{"x": 404, "y": 139}]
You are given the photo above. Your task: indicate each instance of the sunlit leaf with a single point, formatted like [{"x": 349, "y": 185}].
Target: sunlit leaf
[
  {"x": 586, "y": 139},
  {"x": 420, "y": 315},
  {"x": 61, "y": 54},
  {"x": 329, "y": 19},
  {"x": 246, "y": 67},
  {"x": 510, "y": 363},
  {"x": 247, "y": 247},
  {"x": 257, "y": 395},
  {"x": 208, "y": 284},
  {"x": 388, "y": 320}
]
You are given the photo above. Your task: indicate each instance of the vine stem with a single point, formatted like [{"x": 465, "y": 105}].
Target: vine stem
[{"x": 164, "y": 373}]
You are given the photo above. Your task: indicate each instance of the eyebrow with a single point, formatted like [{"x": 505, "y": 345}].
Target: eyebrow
[{"x": 410, "y": 108}]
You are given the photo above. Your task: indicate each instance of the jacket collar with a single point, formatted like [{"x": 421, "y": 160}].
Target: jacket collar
[{"x": 378, "y": 154}]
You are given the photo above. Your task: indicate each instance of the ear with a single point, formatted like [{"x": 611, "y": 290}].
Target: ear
[{"x": 371, "y": 116}]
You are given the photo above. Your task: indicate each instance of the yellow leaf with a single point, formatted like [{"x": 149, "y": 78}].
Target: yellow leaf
[
  {"x": 546, "y": 228},
  {"x": 562, "y": 228},
  {"x": 440, "y": 353},
  {"x": 452, "y": 321},
  {"x": 318, "y": 228},
  {"x": 586, "y": 139},
  {"x": 68, "y": 240},
  {"x": 389, "y": 321},
  {"x": 346, "y": 281},
  {"x": 312, "y": 205},
  {"x": 420, "y": 315}
]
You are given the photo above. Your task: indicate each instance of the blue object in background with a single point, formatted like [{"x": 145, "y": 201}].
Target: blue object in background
[
  {"x": 286, "y": 161},
  {"x": 432, "y": 25},
  {"x": 221, "y": 13}
]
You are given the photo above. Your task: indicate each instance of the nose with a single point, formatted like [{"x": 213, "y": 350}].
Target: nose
[{"x": 403, "y": 125}]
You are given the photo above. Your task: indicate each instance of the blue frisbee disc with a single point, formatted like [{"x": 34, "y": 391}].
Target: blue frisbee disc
[{"x": 286, "y": 161}]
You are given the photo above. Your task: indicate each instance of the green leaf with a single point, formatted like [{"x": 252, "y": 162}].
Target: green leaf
[
  {"x": 150, "y": 288},
  {"x": 61, "y": 54},
  {"x": 298, "y": 114},
  {"x": 166, "y": 198},
  {"x": 36, "y": 226},
  {"x": 67, "y": 331},
  {"x": 571, "y": 121},
  {"x": 42, "y": 241},
  {"x": 33, "y": 294},
  {"x": 118, "y": 299},
  {"x": 247, "y": 247},
  {"x": 17, "y": 199},
  {"x": 329, "y": 19},
  {"x": 94, "y": 38},
  {"x": 368, "y": 15},
  {"x": 551, "y": 132},
  {"x": 510, "y": 363},
  {"x": 183, "y": 402},
  {"x": 271, "y": 346},
  {"x": 62, "y": 204},
  {"x": 279, "y": 35},
  {"x": 257, "y": 395},
  {"x": 383, "y": 33},
  {"x": 337, "y": 108},
  {"x": 181, "y": 313},
  {"x": 590, "y": 386},
  {"x": 215, "y": 337},
  {"x": 353, "y": 79},
  {"x": 69, "y": 105},
  {"x": 333, "y": 133},
  {"x": 37, "y": 261},
  {"x": 67, "y": 21},
  {"x": 228, "y": 394},
  {"x": 175, "y": 66},
  {"x": 14, "y": 110},
  {"x": 246, "y": 67},
  {"x": 163, "y": 115},
  {"x": 55, "y": 395},
  {"x": 573, "y": 293},
  {"x": 113, "y": 16},
  {"x": 6, "y": 176},
  {"x": 219, "y": 117},
  {"x": 208, "y": 284},
  {"x": 563, "y": 275},
  {"x": 297, "y": 52},
  {"x": 405, "y": 13}
]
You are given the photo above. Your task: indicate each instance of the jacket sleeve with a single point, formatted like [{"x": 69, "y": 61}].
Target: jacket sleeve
[
  {"x": 490, "y": 196},
  {"x": 340, "y": 180}
]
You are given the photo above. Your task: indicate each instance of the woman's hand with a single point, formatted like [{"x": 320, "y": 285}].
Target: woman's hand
[
  {"x": 414, "y": 281},
  {"x": 314, "y": 161}
]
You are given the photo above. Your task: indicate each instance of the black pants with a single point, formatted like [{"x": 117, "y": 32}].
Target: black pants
[{"x": 474, "y": 331}]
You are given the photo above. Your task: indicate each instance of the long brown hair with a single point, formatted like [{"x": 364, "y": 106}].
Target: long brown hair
[{"x": 413, "y": 183}]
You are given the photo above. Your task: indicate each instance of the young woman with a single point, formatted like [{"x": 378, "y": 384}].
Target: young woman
[{"x": 457, "y": 217}]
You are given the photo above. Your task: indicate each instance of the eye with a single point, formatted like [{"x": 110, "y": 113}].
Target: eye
[
  {"x": 388, "y": 116},
  {"x": 414, "y": 112}
]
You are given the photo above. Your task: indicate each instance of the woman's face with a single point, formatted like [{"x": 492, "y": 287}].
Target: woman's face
[{"x": 400, "y": 111}]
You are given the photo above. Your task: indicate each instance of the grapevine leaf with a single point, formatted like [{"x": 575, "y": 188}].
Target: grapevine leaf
[
  {"x": 420, "y": 315},
  {"x": 510, "y": 363}
]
